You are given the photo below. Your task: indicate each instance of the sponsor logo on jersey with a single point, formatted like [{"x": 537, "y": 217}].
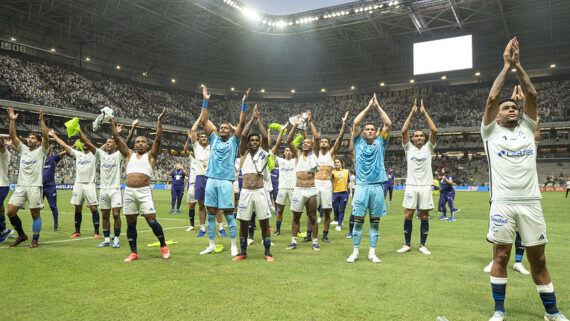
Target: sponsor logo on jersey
[{"x": 519, "y": 153}]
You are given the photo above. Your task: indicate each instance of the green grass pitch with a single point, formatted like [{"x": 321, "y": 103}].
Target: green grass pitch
[{"x": 66, "y": 279}]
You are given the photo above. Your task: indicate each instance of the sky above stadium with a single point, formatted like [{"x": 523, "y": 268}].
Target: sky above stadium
[{"x": 285, "y": 7}]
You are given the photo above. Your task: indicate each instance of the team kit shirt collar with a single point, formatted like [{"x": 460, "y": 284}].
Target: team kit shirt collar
[
  {"x": 31, "y": 165},
  {"x": 370, "y": 160},
  {"x": 511, "y": 153},
  {"x": 419, "y": 164},
  {"x": 110, "y": 168}
]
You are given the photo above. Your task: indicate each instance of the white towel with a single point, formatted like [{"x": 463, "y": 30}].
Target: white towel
[{"x": 104, "y": 117}]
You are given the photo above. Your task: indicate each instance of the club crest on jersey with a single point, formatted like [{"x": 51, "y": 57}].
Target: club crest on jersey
[{"x": 498, "y": 220}]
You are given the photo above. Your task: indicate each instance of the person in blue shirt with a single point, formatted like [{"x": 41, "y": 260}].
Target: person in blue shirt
[
  {"x": 219, "y": 197},
  {"x": 447, "y": 191},
  {"x": 177, "y": 188},
  {"x": 370, "y": 175},
  {"x": 389, "y": 186},
  {"x": 49, "y": 190}
]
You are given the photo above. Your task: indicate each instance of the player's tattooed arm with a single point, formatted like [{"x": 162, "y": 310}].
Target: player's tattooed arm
[
  {"x": 492, "y": 105},
  {"x": 431, "y": 124},
  {"x": 405, "y": 136},
  {"x": 529, "y": 103}
]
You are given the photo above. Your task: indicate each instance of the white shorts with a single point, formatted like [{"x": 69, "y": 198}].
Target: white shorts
[
  {"x": 418, "y": 195},
  {"x": 110, "y": 198},
  {"x": 190, "y": 197},
  {"x": 284, "y": 195},
  {"x": 528, "y": 217},
  {"x": 31, "y": 194},
  {"x": 235, "y": 187},
  {"x": 324, "y": 193},
  {"x": 253, "y": 200},
  {"x": 300, "y": 196},
  {"x": 269, "y": 200},
  {"x": 84, "y": 192},
  {"x": 138, "y": 200}
]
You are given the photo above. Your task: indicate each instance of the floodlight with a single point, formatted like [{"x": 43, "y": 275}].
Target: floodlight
[
  {"x": 118, "y": 67},
  {"x": 553, "y": 66},
  {"x": 443, "y": 77}
]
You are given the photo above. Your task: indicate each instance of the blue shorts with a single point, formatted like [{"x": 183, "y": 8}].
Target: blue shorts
[
  {"x": 369, "y": 197},
  {"x": 219, "y": 194},
  {"x": 4, "y": 190},
  {"x": 50, "y": 193},
  {"x": 200, "y": 187}
]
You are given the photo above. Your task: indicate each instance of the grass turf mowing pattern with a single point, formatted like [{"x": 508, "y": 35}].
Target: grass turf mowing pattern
[{"x": 72, "y": 279}]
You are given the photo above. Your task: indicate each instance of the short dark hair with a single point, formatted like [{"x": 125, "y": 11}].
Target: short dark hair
[
  {"x": 507, "y": 100},
  {"x": 369, "y": 123},
  {"x": 251, "y": 135},
  {"x": 320, "y": 139},
  {"x": 38, "y": 136}
]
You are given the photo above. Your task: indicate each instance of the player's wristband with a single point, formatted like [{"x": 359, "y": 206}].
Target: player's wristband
[
  {"x": 204, "y": 104},
  {"x": 243, "y": 105},
  {"x": 188, "y": 140}
]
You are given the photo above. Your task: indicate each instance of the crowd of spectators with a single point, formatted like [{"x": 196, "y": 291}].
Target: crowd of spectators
[{"x": 40, "y": 83}]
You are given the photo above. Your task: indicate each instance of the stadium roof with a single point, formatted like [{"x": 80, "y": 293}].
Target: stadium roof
[{"x": 215, "y": 42}]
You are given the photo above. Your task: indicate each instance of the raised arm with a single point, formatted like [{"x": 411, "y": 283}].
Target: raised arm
[
  {"x": 492, "y": 105},
  {"x": 292, "y": 135},
  {"x": 537, "y": 131},
  {"x": 2, "y": 146},
  {"x": 243, "y": 113},
  {"x": 351, "y": 145},
  {"x": 356, "y": 123},
  {"x": 405, "y": 136},
  {"x": 245, "y": 132},
  {"x": 208, "y": 126},
  {"x": 60, "y": 142},
  {"x": 262, "y": 132},
  {"x": 13, "y": 135},
  {"x": 431, "y": 124},
  {"x": 387, "y": 123},
  {"x": 123, "y": 148},
  {"x": 155, "y": 149},
  {"x": 45, "y": 134},
  {"x": 87, "y": 142},
  {"x": 132, "y": 131},
  {"x": 279, "y": 139},
  {"x": 338, "y": 141},
  {"x": 529, "y": 102},
  {"x": 193, "y": 133}
]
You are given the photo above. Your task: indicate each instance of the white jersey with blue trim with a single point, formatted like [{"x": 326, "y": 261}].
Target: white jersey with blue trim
[{"x": 511, "y": 153}]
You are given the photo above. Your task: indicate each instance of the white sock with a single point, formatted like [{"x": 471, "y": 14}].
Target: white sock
[
  {"x": 202, "y": 227},
  {"x": 233, "y": 242},
  {"x": 212, "y": 244},
  {"x": 372, "y": 251},
  {"x": 294, "y": 239},
  {"x": 315, "y": 240},
  {"x": 107, "y": 239},
  {"x": 220, "y": 226},
  {"x": 355, "y": 251}
]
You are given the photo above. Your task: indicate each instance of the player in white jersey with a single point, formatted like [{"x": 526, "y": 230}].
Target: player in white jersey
[
  {"x": 201, "y": 147},
  {"x": 110, "y": 199},
  {"x": 323, "y": 178},
  {"x": 304, "y": 194},
  {"x": 191, "y": 179},
  {"x": 5, "y": 155},
  {"x": 419, "y": 178},
  {"x": 137, "y": 197},
  {"x": 29, "y": 185},
  {"x": 287, "y": 178},
  {"x": 253, "y": 196},
  {"x": 84, "y": 188},
  {"x": 511, "y": 151}
]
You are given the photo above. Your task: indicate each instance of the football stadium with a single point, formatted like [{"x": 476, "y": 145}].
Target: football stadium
[{"x": 285, "y": 160}]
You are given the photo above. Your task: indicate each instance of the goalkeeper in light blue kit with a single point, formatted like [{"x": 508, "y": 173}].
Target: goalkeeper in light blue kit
[{"x": 370, "y": 176}]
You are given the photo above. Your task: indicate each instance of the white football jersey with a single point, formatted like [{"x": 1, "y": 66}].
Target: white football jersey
[
  {"x": 201, "y": 156},
  {"x": 4, "y": 167},
  {"x": 511, "y": 153},
  {"x": 287, "y": 176},
  {"x": 419, "y": 164},
  {"x": 110, "y": 168},
  {"x": 31, "y": 165},
  {"x": 84, "y": 166}
]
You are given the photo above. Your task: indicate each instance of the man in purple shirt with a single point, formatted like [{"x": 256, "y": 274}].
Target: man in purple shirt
[{"x": 49, "y": 190}]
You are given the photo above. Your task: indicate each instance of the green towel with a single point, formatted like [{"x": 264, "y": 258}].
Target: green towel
[
  {"x": 298, "y": 140},
  {"x": 72, "y": 127},
  {"x": 278, "y": 127},
  {"x": 79, "y": 145},
  {"x": 271, "y": 163}
]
